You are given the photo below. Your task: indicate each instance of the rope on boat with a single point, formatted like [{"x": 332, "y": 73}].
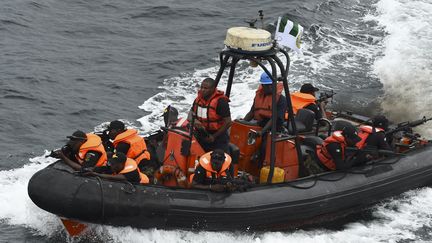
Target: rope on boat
[{"x": 102, "y": 198}]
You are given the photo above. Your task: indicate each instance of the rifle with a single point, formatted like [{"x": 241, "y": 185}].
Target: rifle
[
  {"x": 104, "y": 135},
  {"x": 406, "y": 126},
  {"x": 66, "y": 150},
  {"x": 157, "y": 136},
  {"x": 374, "y": 151},
  {"x": 323, "y": 96}
]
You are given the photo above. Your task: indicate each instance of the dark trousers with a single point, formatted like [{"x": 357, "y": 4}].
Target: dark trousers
[{"x": 220, "y": 142}]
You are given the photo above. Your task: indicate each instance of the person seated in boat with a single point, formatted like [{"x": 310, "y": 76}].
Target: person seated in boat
[
  {"x": 128, "y": 141},
  {"x": 121, "y": 168},
  {"x": 261, "y": 109},
  {"x": 214, "y": 172},
  {"x": 332, "y": 154},
  {"x": 211, "y": 113},
  {"x": 305, "y": 99},
  {"x": 373, "y": 137},
  {"x": 82, "y": 151}
]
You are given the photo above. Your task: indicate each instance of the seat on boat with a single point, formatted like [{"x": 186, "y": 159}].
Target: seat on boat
[
  {"x": 247, "y": 123},
  {"x": 339, "y": 125},
  {"x": 304, "y": 121},
  {"x": 312, "y": 141}
]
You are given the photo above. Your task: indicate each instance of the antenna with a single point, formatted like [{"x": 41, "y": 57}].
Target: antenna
[
  {"x": 261, "y": 15},
  {"x": 251, "y": 22}
]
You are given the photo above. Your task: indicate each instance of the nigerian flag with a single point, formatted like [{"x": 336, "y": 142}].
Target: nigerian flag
[{"x": 288, "y": 34}]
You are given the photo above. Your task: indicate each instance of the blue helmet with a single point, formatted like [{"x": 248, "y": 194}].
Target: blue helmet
[{"x": 265, "y": 79}]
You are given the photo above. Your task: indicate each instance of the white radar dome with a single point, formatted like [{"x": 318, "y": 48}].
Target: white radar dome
[{"x": 248, "y": 39}]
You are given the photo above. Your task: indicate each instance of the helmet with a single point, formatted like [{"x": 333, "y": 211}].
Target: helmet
[
  {"x": 380, "y": 121},
  {"x": 265, "y": 79}
]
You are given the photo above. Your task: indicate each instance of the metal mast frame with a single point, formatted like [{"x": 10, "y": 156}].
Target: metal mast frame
[{"x": 276, "y": 65}]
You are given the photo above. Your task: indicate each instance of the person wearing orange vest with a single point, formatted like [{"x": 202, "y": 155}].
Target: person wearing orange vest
[
  {"x": 213, "y": 172},
  {"x": 212, "y": 114},
  {"x": 261, "y": 109},
  {"x": 83, "y": 151},
  {"x": 373, "y": 137},
  {"x": 305, "y": 99},
  {"x": 122, "y": 168},
  {"x": 128, "y": 141},
  {"x": 332, "y": 154}
]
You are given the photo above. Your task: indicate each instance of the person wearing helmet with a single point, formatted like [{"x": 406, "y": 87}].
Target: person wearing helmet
[
  {"x": 214, "y": 172},
  {"x": 261, "y": 109},
  {"x": 332, "y": 154},
  {"x": 373, "y": 137},
  {"x": 129, "y": 142},
  {"x": 122, "y": 168},
  {"x": 82, "y": 151},
  {"x": 212, "y": 113}
]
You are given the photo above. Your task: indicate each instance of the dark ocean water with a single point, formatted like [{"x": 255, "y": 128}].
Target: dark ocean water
[{"x": 68, "y": 65}]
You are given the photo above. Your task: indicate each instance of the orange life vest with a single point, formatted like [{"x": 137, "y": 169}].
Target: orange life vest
[
  {"x": 364, "y": 133},
  {"x": 138, "y": 148},
  {"x": 300, "y": 100},
  {"x": 131, "y": 165},
  {"x": 323, "y": 154},
  {"x": 204, "y": 161},
  {"x": 205, "y": 110},
  {"x": 93, "y": 143},
  {"x": 263, "y": 103}
]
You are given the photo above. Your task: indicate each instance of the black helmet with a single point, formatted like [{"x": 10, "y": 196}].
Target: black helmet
[{"x": 380, "y": 121}]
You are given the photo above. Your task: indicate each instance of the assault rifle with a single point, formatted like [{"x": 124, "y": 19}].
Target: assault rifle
[
  {"x": 104, "y": 135},
  {"x": 66, "y": 150},
  {"x": 407, "y": 126},
  {"x": 323, "y": 96},
  {"x": 373, "y": 151}
]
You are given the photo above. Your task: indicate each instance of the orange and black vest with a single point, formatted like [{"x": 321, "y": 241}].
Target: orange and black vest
[
  {"x": 364, "y": 133},
  {"x": 300, "y": 100},
  {"x": 204, "y": 161},
  {"x": 263, "y": 103},
  {"x": 205, "y": 111},
  {"x": 138, "y": 148},
  {"x": 130, "y": 166},
  {"x": 93, "y": 143},
  {"x": 322, "y": 153}
]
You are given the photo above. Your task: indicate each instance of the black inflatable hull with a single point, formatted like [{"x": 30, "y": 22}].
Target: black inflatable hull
[{"x": 88, "y": 199}]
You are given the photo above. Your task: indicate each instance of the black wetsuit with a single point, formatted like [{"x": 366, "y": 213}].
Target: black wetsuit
[
  {"x": 377, "y": 140},
  {"x": 351, "y": 158}
]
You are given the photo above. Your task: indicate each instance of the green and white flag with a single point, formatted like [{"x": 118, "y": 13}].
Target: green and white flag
[{"x": 288, "y": 34}]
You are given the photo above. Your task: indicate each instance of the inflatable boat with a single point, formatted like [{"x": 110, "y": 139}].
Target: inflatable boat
[
  {"x": 282, "y": 198},
  {"x": 57, "y": 189}
]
